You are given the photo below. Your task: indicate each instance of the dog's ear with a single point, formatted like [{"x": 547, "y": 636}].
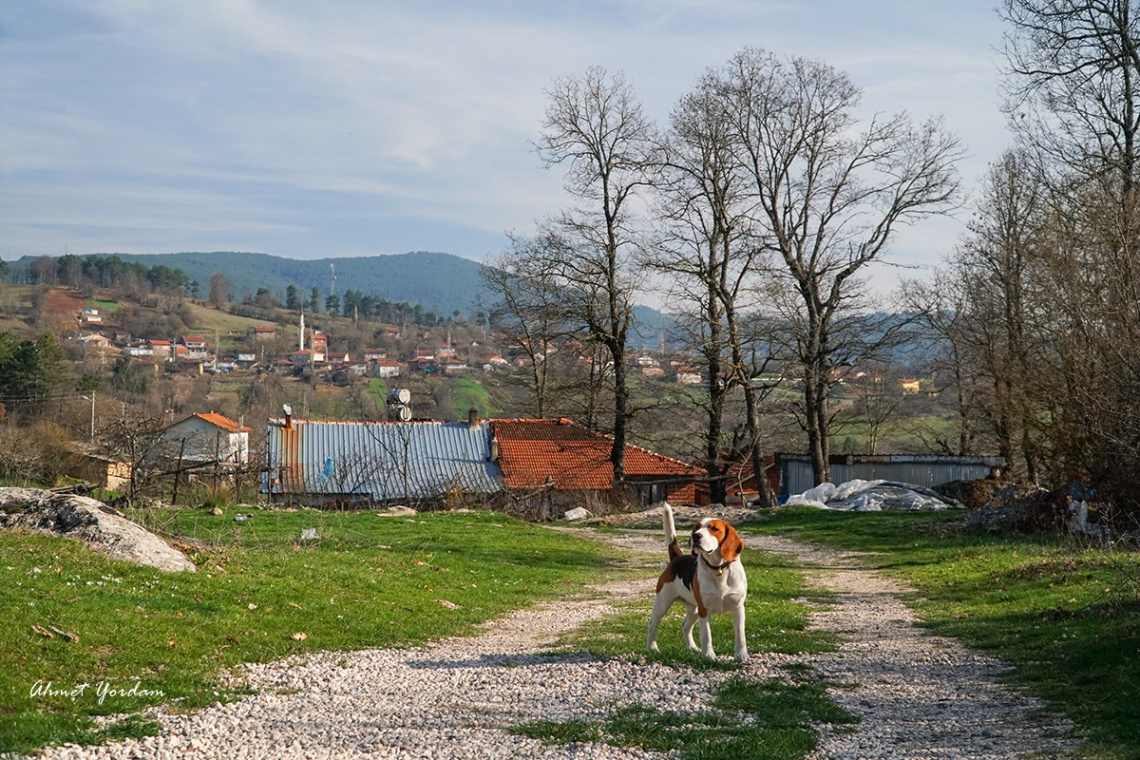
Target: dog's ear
[{"x": 731, "y": 546}]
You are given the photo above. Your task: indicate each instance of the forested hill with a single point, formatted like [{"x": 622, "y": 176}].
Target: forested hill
[{"x": 439, "y": 281}]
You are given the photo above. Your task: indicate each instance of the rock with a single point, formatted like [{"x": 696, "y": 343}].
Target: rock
[
  {"x": 102, "y": 528},
  {"x": 397, "y": 511},
  {"x": 578, "y": 513},
  {"x": 217, "y": 511}
]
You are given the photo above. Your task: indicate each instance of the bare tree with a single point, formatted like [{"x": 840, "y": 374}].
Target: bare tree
[
  {"x": 829, "y": 196},
  {"x": 528, "y": 307},
  {"x": 711, "y": 255},
  {"x": 1073, "y": 84},
  {"x": 595, "y": 127}
]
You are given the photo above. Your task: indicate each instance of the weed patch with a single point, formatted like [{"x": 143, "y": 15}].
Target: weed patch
[{"x": 747, "y": 719}]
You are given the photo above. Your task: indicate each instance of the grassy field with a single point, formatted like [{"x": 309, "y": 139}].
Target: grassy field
[
  {"x": 207, "y": 320},
  {"x": 470, "y": 394},
  {"x": 259, "y": 595},
  {"x": 1066, "y": 617}
]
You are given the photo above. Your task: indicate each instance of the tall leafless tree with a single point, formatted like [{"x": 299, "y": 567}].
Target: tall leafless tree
[
  {"x": 1073, "y": 84},
  {"x": 594, "y": 126},
  {"x": 711, "y": 257},
  {"x": 829, "y": 195}
]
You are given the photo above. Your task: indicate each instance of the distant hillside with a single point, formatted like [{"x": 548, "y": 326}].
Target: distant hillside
[{"x": 438, "y": 281}]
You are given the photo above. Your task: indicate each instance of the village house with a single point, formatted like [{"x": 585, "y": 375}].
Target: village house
[
  {"x": 386, "y": 369},
  {"x": 262, "y": 333},
  {"x": 543, "y": 465},
  {"x": 161, "y": 349},
  {"x": 319, "y": 347},
  {"x": 686, "y": 376},
  {"x": 557, "y": 463},
  {"x": 196, "y": 347},
  {"x": 206, "y": 438}
]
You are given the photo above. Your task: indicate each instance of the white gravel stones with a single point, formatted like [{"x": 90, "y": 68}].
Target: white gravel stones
[{"x": 919, "y": 696}]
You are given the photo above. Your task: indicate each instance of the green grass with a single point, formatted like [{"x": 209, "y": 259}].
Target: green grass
[
  {"x": 767, "y": 720},
  {"x": 1067, "y": 618},
  {"x": 104, "y": 305},
  {"x": 467, "y": 394},
  {"x": 378, "y": 391},
  {"x": 367, "y": 582}
]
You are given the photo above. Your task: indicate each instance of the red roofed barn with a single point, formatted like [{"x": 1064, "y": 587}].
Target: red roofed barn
[{"x": 559, "y": 463}]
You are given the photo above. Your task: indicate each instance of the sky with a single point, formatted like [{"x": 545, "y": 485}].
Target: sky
[{"x": 326, "y": 128}]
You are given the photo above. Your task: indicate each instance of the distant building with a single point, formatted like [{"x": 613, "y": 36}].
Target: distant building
[
  {"x": 319, "y": 346},
  {"x": 686, "y": 376},
  {"x": 208, "y": 437},
  {"x": 386, "y": 369},
  {"x": 262, "y": 333},
  {"x": 161, "y": 349}
]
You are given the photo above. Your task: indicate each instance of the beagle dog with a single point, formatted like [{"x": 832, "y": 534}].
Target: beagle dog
[{"x": 708, "y": 581}]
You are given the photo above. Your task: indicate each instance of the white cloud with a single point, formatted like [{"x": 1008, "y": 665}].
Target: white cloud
[{"x": 336, "y": 121}]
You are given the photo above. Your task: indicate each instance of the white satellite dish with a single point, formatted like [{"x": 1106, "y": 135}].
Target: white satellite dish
[
  {"x": 404, "y": 395},
  {"x": 405, "y": 414},
  {"x": 288, "y": 410}
]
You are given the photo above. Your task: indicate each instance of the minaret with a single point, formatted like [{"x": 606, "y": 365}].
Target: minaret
[{"x": 301, "y": 331}]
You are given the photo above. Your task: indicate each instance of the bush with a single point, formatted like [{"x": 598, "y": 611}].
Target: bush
[{"x": 39, "y": 454}]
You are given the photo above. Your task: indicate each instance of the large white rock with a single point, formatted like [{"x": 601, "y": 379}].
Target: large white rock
[{"x": 103, "y": 529}]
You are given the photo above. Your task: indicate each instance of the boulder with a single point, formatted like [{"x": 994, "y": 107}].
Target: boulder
[{"x": 102, "y": 528}]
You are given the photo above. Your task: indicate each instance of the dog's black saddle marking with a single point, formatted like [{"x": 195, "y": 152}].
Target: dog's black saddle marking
[{"x": 684, "y": 568}]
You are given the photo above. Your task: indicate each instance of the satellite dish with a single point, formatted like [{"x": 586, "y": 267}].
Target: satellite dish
[
  {"x": 405, "y": 414},
  {"x": 288, "y": 410},
  {"x": 404, "y": 395}
]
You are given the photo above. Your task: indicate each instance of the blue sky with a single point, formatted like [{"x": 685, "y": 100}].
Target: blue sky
[{"x": 310, "y": 129}]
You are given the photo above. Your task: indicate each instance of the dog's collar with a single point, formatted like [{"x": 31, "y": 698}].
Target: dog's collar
[{"x": 718, "y": 569}]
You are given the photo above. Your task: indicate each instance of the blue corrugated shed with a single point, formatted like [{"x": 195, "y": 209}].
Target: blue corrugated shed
[{"x": 390, "y": 461}]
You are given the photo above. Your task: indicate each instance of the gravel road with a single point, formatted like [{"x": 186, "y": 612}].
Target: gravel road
[{"x": 919, "y": 696}]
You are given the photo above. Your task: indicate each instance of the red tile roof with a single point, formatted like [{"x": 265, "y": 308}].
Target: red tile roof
[
  {"x": 225, "y": 423},
  {"x": 533, "y": 452}
]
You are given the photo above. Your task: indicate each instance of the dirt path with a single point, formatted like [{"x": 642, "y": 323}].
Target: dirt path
[{"x": 918, "y": 696}]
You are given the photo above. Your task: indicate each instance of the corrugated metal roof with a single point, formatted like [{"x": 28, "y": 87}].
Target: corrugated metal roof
[{"x": 390, "y": 460}]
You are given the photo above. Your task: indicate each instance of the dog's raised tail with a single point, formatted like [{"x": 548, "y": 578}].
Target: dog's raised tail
[{"x": 670, "y": 532}]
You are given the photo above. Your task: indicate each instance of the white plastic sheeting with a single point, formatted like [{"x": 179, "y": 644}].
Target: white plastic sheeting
[{"x": 873, "y": 496}]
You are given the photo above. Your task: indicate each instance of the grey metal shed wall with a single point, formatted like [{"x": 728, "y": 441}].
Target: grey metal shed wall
[
  {"x": 796, "y": 473},
  {"x": 388, "y": 460}
]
